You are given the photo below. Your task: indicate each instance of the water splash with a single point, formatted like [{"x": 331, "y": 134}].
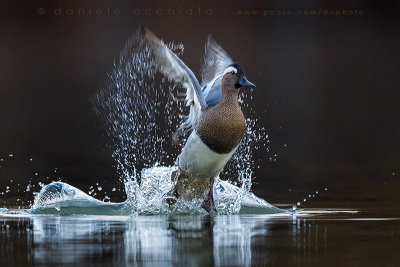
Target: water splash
[
  {"x": 63, "y": 199},
  {"x": 139, "y": 112},
  {"x": 135, "y": 106}
]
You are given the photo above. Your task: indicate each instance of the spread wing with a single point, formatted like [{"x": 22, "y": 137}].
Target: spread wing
[
  {"x": 174, "y": 69},
  {"x": 214, "y": 63}
]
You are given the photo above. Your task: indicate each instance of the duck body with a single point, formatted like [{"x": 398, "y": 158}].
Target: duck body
[
  {"x": 214, "y": 140},
  {"x": 215, "y": 120},
  {"x": 210, "y": 146}
]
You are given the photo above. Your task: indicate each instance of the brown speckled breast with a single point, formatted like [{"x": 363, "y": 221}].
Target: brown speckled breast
[{"x": 222, "y": 127}]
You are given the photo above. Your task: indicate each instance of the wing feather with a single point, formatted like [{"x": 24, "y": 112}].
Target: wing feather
[
  {"x": 173, "y": 68},
  {"x": 215, "y": 61}
]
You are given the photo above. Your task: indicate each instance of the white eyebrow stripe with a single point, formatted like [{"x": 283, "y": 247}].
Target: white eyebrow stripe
[{"x": 229, "y": 69}]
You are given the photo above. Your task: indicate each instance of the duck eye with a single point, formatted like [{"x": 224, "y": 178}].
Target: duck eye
[{"x": 232, "y": 72}]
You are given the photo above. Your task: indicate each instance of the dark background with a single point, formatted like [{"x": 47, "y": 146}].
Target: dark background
[{"x": 327, "y": 88}]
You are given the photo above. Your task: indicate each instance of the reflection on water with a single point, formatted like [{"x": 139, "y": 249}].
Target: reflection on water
[{"x": 231, "y": 240}]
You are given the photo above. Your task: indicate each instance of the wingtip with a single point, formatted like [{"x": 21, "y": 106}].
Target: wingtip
[
  {"x": 149, "y": 35},
  {"x": 142, "y": 30},
  {"x": 209, "y": 42}
]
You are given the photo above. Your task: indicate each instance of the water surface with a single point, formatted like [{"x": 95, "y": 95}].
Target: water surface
[{"x": 310, "y": 237}]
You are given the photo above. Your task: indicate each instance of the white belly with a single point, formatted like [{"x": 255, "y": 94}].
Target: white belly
[{"x": 197, "y": 160}]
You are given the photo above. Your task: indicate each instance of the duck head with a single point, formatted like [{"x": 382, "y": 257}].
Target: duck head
[{"x": 234, "y": 78}]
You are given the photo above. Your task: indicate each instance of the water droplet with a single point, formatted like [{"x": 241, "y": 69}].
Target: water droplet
[
  {"x": 31, "y": 159},
  {"x": 114, "y": 189},
  {"x": 11, "y": 155},
  {"x": 99, "y": 188},
  {"x": 326, "y": 189},
  {"x": 298, "y": 203}
]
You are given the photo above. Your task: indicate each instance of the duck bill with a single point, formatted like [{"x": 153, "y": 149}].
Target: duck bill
[{"x": 243, "y": 82}]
